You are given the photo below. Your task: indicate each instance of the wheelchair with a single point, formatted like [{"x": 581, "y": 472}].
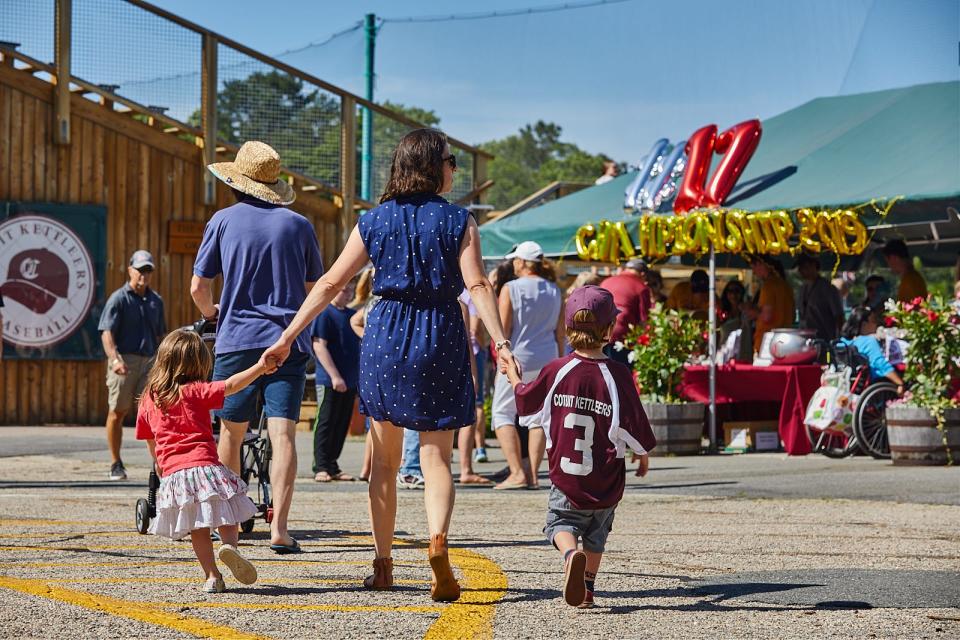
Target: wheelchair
[
  {"x": 869, "y": 426},
  {"x": 255, "y": 456}
]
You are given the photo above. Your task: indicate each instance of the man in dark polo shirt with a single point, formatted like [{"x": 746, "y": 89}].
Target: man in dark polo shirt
[
  {"x": 131, "y": 327},
  {"x": 633, "y": 299}
]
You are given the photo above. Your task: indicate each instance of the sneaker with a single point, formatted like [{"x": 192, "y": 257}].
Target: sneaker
[
  {"x": 480, "y": 455},
  {"x": 117, "y": 471},
  {"x": 587, "y": 601},
  {"x": 574, "y": 587},
  {"x": 214, "y": 585},
  {"x": 409, "y": 481},
  {"x": 241, "y": 568}
]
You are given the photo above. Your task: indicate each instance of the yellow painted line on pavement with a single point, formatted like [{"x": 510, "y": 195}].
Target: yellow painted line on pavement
[
  {"x": 10, "y": 522},
  {"x": 471, "y": 617},
  {"x": 267, "y": 606},
  {"x": 286, "y": 582},
  {"x": 148, "y": 563},
  {"x": 140, "y": 611}
]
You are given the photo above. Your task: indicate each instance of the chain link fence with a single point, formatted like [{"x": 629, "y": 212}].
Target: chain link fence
[
  {"x": 29, "y": 24},
  {"x": 138, "y": 55},
  {"x": 258, "y": 101},
  {"x": 157, "y": 63}
]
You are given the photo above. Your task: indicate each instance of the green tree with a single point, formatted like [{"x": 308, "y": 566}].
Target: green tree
[{"x": 534, "y": 157}]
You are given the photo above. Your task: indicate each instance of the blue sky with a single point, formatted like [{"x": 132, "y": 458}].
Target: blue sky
[{"x": 615, "y": 77}]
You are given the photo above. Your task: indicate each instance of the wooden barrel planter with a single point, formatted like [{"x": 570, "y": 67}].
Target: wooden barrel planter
[
  {"x": 677, "y": 427},
  {"x": 916, "y": 440}
]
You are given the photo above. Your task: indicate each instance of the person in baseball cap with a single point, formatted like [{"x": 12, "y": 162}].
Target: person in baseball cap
[
  {"x": 37, "y": 278},
  {"x": 601, "y": 310},
  {"x": 131, "y": 327},
  {"x": 142, "y": 259},
  {"x": 527, "y": 250}
]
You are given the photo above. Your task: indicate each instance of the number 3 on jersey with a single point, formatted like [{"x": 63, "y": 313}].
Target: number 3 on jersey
[{"x": 584, "y": 445}]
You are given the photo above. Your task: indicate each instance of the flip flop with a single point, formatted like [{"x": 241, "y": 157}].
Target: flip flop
[
  {"x": 322, "y": 476},
  {"x": 476, "y": 479},
  {"x": 342, "y": 477},
  {"x": 286, "y": 549},
  {"x": 503, "y": 486}
]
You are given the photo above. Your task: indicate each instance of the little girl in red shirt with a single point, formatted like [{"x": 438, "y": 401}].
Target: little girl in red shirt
[{"x": 196, "y": 492}]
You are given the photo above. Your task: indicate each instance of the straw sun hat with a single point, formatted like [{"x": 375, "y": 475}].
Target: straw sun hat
[{"x": 256, "y": 172}]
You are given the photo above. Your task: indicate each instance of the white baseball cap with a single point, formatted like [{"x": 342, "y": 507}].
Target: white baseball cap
[{"x": 528, "y": 250}]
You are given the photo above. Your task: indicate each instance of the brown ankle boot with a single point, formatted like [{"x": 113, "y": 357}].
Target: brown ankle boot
[
  {"x": 444, "y": 586},
  {"x": 382, "y": 578}
]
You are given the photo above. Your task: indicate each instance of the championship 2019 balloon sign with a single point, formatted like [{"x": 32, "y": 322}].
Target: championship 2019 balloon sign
[{"x": 678, "y": 175}]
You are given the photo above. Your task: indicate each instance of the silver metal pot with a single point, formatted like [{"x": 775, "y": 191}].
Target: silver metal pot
[{"x": 793, "y": 346}]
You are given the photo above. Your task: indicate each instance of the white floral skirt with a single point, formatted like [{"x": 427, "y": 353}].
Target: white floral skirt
[{"x": 198, "y": 498}]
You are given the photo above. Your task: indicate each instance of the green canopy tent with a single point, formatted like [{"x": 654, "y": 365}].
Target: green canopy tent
[
  {"x": 901, "y": 144},
  {"x": 827, "y": 153}
]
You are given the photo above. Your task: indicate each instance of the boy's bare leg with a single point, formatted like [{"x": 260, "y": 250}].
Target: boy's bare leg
[{"x": 574, "y": 585}]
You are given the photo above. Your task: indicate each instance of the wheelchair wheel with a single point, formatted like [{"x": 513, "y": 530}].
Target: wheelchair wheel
[
  {"x": 143, "y": 516},
  {"x": 870, "y": 419},
  {"x": 246, "y": 526},
  {"x": 831, "y": 444}
]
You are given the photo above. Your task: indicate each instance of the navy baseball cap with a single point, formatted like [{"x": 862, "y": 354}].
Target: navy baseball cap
[
  {"x": 141, "y": 259},
  {"x": 594, "y": 299}
]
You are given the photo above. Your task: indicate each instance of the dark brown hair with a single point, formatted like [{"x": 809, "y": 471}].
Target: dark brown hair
[
  {"x": 417, "y": 165},
  {"x": 182, "y": 358},
  {"x": 592, "y": 338}
]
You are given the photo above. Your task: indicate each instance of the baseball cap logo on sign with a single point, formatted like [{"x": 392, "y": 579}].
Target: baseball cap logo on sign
[{"x": 37, "y": 279}]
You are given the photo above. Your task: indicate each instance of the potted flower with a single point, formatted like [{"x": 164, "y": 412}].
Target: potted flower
[
  {"x": 658, "y": 351},
  {"x": 924, "y": 426}
]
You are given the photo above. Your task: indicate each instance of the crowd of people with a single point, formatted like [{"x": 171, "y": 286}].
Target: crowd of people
[
  {"x": 408, "y": 325},
  {"x": 414, "y": 337}
]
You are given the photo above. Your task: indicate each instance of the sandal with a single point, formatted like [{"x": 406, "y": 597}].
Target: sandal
[
  {"x": 475, "y": 479},
  {"x": 322, "y": 476},
  {"x": 343, "y": 477}
]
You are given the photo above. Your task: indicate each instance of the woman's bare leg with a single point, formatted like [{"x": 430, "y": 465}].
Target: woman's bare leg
[
  {"x": 435, "y": 450},
  {"x": 510, "y": 446},
  {"x": 538, "y": 445},
  {"x": 387, "y": 441}
]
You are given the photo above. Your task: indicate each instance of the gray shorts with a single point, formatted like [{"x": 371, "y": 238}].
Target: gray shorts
[{"x": 591, "y": 525}]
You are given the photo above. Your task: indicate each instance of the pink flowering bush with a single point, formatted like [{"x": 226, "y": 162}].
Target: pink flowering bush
[{"x": 659, "y": 349}]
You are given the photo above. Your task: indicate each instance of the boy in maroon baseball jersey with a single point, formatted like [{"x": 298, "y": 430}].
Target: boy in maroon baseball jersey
[{"x": 590, "y": 411}]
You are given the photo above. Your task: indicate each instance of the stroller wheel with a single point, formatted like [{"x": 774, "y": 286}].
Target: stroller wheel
[
  {"x": 143, "y": 516},
  {"x": 246, "y": 526}
]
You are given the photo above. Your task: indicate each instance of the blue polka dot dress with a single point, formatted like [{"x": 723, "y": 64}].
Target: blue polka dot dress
[{"x": 414, "y": 364}]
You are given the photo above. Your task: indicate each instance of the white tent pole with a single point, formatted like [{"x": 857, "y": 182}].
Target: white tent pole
[{"x": 712, "y": 341}]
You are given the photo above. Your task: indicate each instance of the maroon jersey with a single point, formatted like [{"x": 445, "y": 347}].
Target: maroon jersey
[{"x": 590, "y": 412}]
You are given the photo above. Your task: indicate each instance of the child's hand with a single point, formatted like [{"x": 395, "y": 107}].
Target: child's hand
[
  {"x": 513, "y": 373},
  {"x": 644, "y": 464},
  {"x": 269, "y": 366}
]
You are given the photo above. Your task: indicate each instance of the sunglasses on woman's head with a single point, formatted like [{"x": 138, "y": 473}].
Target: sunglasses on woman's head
[{"x": 452, "y": 159}]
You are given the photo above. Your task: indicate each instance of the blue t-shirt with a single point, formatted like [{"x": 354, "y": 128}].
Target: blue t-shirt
[
  {"x": 136, "y": 322},
  {"x": 266, "y": 254},
  {"x": 869, "y": 348},
  {"x": 333, "y": 325}
]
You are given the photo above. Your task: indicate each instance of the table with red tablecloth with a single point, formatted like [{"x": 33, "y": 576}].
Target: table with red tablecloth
[{"x": 792, "y": 386}]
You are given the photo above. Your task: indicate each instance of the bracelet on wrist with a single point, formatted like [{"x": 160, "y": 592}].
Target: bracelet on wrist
[{"x": 502, "y": 344}]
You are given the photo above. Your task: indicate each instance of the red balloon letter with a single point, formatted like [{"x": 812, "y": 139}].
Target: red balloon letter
[
  {"x": 737, "y": 144},
  {"x": 699, "y": 154}
]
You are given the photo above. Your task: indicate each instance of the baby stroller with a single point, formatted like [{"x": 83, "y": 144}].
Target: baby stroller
[
  {"x": 868, "y": 430},
  {"x": 255, "y": 456}
]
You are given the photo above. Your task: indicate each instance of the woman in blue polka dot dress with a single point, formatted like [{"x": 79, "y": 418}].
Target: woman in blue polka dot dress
[{"x": 414, "y": 363}]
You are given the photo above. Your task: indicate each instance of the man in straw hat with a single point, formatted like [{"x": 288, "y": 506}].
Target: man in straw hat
[{"x": 269, "y": 259}]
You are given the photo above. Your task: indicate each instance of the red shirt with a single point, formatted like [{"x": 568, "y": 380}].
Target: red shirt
[
  {"x": 590, "y": 412},
  {"x": 183, "y": 434},
  {"x": 632, "y": 297}
]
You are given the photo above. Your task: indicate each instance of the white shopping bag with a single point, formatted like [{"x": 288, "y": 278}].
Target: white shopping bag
[{"x": 831, "y": 407}]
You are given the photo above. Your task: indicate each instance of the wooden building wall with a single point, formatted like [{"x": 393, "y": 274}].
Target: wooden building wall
[{"x": 145, "y": 178}]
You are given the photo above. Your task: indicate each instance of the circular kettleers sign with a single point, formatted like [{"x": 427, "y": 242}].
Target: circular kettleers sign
[{"x": 46, "y": 278}]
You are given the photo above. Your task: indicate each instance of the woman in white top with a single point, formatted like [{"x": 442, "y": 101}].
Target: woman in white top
[{"x": 531, "y": 310}]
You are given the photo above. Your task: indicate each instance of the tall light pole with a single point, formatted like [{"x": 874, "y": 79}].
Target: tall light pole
[{"x": 366, "y": 155}]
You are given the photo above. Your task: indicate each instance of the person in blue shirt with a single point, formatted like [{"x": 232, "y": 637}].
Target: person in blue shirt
[
  {"x": 269, "y": 258},
  {"x": 337, "y": 349},
  {"x": 859, "y": 331},
  {"x": 131, "y": 327}
]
